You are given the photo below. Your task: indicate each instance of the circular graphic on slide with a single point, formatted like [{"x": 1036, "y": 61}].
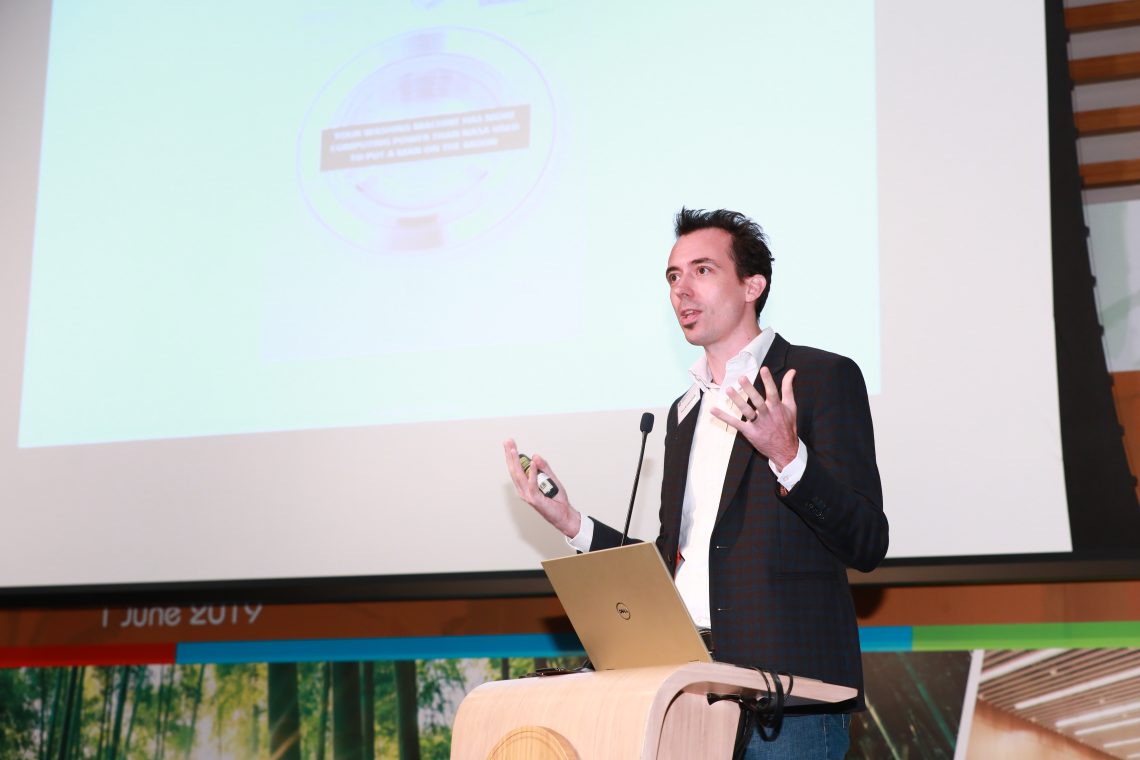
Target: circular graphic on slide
[{"x": 426, "y": 140}]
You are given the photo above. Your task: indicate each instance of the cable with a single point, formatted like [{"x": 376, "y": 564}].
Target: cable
[{"x": 764, "y": 713}]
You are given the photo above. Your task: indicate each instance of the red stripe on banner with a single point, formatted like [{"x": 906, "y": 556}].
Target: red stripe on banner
[{"x": 107, "y": 654}]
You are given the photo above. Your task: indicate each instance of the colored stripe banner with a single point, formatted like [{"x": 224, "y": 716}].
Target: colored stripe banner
[
  {"x": 872, "y": 639},
  {"x": 417, "y": 648},
  {"x": 170, "y": 624},
  {"x": 101, "y": 654},
  {"x": 895, "y": 638},
  {"x": 1027, "y": 636}
]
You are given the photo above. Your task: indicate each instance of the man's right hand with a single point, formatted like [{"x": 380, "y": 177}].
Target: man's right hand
[{"x": 556, "y": 511}]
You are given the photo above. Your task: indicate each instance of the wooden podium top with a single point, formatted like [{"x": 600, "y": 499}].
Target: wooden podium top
[{"x": 629, "y": 713}]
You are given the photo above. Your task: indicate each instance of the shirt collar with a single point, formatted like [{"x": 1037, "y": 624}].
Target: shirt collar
[{"x": 747, "y": 362}]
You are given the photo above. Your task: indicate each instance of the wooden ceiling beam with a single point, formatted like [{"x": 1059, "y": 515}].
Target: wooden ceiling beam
[
  {"x": 1105, "y": 68},
  {"x": 1108, "y": 121},
  {"x": 1111, "y": 173},
  {"x": 1091, "y": 18}
]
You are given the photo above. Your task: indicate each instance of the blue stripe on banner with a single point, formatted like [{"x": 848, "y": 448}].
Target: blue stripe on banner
[
  {"x": 347, "y": 650},
  {"x": 887, "y": 638},
  {"x": 871, "y": 639}
]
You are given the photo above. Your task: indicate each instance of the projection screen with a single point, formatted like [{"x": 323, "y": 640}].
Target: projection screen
[{"x": 280, "y": 277}]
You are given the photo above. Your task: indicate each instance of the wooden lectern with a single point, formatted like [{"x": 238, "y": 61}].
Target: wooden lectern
[{"x": 657, "y": 713}]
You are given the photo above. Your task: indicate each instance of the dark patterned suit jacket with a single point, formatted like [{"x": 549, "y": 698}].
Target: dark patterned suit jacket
[{"x": 778, "y": 584}]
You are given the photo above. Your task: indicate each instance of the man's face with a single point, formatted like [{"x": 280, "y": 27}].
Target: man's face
[{"x": 714, "y": 307}]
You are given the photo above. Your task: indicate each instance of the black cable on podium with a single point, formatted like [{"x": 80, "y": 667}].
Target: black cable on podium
[{"x": 764, "y": 713}]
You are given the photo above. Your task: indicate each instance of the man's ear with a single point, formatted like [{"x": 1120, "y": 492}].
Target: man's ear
[{"x": 754, "y": 286}]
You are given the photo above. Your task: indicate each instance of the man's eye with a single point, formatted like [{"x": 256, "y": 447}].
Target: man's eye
[{"x": 702, "y": 270}]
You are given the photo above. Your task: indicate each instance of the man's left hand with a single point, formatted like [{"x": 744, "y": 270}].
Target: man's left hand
[{"x": 769, "y": 421}]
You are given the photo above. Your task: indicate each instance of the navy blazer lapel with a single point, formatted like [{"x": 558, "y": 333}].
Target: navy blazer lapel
[{"x": 742, "y": 450}]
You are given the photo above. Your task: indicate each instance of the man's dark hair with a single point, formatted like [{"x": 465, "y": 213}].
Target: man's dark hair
[{"x": 749, "y": 243}]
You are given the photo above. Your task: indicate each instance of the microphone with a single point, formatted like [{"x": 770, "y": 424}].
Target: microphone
[{"x": 646, "y": 428}]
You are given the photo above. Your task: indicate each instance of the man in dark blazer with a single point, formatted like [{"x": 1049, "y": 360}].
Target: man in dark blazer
[{"x": 770, "y": 486}]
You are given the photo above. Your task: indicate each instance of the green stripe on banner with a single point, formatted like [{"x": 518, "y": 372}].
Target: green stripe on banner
[{"x": 931, "y": 638}]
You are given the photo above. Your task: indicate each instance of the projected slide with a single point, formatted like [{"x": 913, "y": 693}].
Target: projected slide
[{"x": 369, "y": 214}]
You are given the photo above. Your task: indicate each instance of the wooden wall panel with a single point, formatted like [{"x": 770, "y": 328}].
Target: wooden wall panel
[
  {"x": 1008, "y": 603},
  {"x": 1126, "y": 392}
]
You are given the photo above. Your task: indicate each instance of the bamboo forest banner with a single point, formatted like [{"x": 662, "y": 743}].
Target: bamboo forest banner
[
  {"x": 338, "y": 710},
  {"x": 401, "y": 710}
]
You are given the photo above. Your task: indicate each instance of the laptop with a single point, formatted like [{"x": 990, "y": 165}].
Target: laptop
[{"x": 625, "y": 608}]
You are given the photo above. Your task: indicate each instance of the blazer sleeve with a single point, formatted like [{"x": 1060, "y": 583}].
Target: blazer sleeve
[
  {"x": 840, "y": 496},
  {"x": 606, "y": 537}
]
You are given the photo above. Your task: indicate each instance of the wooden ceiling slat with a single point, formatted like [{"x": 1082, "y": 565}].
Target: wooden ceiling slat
[
  {"x": 1047, "y": 684},
  {"x": 1075, "y": 705},
  {"x": 1074, "y": 666},
  {"x": 1105, "y": 68},
  {"x": 1090, "y": 18},
  {"x": 1108, "y": 121},
  {"x": 1111, "y": 173}
]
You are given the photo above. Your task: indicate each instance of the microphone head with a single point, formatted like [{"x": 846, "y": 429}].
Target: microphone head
[{"x": 647, "y": 422}]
